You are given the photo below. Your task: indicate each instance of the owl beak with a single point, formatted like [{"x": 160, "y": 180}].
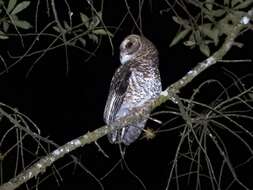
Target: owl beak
[
  {"x": 124, "y": 58},
  {"x": 121, "y": 57}
]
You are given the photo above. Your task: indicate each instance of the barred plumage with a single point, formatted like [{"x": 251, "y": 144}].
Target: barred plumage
[{"x": 136, "y": 82}]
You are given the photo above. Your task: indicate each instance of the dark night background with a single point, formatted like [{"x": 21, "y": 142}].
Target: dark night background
[{"x": 66, "y": 106}]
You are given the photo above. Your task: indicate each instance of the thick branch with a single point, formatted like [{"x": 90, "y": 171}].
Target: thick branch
[
  {"x": 48, "y": 160},
  {"x": 168, "y": 94}
]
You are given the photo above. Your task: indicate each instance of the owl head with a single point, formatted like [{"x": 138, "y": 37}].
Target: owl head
[{"x": 138, "y": 48}]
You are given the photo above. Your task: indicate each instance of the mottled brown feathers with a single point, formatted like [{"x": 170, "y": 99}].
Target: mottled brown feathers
[{"x": 134, "y": 83}]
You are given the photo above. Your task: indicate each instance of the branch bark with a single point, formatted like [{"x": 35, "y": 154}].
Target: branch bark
[{"x": 170, "y": 93}]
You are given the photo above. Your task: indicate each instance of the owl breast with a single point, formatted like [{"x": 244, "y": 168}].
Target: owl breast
[{"x": 142, "y": 88}]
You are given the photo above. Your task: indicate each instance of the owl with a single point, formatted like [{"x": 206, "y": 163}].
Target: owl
[{"x": 135, "y": 83}]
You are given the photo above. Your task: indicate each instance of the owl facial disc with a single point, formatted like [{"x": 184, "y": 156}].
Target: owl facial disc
[{"x": 129, "y": 47}]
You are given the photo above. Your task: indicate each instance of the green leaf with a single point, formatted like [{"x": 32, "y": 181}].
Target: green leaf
[
  {"x": 93, "y": 37},
  {"x": 209, "y": 4},
  {"x": 3, "y": 36},
  {"x": 102, "y": 32},
  {"x": 181, "y": 21},
  {"x": 21, "y": 6},
  {"x": 5, "y": 26},
  {"x": 218, "y": 12},
  {"x": 85, "y": 20},
  {"x": 66, "y": 25},
  {"x": 205, "y": 28},
  {"x": 197, "y": 36},
  {"x": 251, "y": 95},
  {"x": 212, "y": 33},
  {"x": 204, "y": 49},
  {"x": 215, "y": 36},
  {"x": 11, "y": 5},
  {"x": 226, "y": 2},
  {"x": 243, "y": 5},
  {"x": 181, "y": 35},
  {"x": 177, "y": 19},
  {"x": 83, "y": 41},
  {"x": 189, "y": 43},
  {"x": 56, "y": 29},
  {"x": 94, "y": 22},
  {"x": 99, "y": 14},
  {"x": 22, "y": 24}
]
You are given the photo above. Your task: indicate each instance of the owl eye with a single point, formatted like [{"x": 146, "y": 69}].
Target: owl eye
[
  {"x": 129, "y": 45},
  {"x": 132, "y": 46}
]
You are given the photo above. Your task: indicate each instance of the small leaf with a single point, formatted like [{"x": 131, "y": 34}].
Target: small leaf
[
  {"x": 224, "y": 28},
  {"x": 94, "y": 22},
  {"x": 3, "y": 36},
  {"x": 189, "y": 43},
  {"x": 181, "y": 35},
  {"x": 85, "y": 20},
  {"x": 21, "y": 6},
  {"x": 83, "y": 41},
  {"x": 197, "y": 37},
  {"x": 204, "y": 49},
  {"x": 102, "y": 32},
  {"x": 66, "y": 25},
  {"x": 205, "y": 28},
  {"x": 212, "y": 33},
  {"x": 226, "y": 2},
  {"x": 251, "y": 95},
  {"x": 56, "y": 29},
  {"x": 181, "y": 21},
  {"x": 22, "y": 24},
  {"x": 5, "y": 26},
  {"x": 11, "y": 5},
  {"x": 93, "y": 37},
  {"x": 99, "y": 14},
  {"x": 209, "y": 4},
  {"x": 215, "y": 36},
  {"x": 218, "y": 12},
  {"x": 177, "y": 19},
  {"x": 243, "y": 5}
]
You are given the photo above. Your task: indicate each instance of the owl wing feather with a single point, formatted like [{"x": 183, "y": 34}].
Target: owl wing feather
[{"x": 118, "y": 88}]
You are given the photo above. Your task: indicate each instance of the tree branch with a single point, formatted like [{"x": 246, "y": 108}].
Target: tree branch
[{"x": 42, "y": 164}]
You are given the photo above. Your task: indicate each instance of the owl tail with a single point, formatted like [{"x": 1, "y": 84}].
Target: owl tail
[{"x": 128, "y": 134}]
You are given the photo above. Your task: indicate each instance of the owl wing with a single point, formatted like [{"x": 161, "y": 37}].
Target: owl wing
[{"x": 118, "y": 88}]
